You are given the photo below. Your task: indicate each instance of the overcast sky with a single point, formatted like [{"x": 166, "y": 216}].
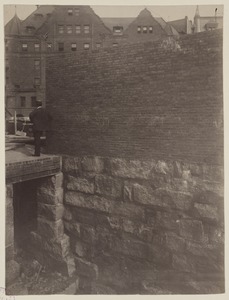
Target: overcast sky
[{"x": 169, "y": 13}]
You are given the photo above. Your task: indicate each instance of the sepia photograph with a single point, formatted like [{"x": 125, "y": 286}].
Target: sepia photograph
[{"x": 114, "y": 149}]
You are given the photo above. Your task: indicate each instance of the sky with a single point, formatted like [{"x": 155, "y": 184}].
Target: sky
[{"x": 168, "y": 13}]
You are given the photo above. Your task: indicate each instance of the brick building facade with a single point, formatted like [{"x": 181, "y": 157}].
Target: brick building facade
[{"x": 51, "y": 29}]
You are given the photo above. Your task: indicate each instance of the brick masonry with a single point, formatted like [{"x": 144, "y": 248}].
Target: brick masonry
[
  {"x": 140, "y": 129},
  {"x": 161, "y": 99}
]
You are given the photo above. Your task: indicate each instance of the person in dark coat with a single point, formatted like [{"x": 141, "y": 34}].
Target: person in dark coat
[{"x": 41, "y": 120}]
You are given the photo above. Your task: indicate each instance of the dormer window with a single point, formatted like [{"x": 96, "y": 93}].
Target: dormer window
[
  {"x": 117, "y": 30},
  {"x": 30, "y": 29},
  {"x": 139, "y": 29},
  {"x": 150, "y": 29},
  {"x": 70, "y": 11}
]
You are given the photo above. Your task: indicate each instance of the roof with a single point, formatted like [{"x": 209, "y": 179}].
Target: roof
[
  {"x": 13, "y": 27},
  {"x": 111, "y": 22},
  {"x": 38, "y": 17},
  {"x": 180, "y": 25}
]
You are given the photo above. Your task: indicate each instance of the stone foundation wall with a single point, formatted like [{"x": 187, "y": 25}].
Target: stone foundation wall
[{"x": 146, "y": 227}]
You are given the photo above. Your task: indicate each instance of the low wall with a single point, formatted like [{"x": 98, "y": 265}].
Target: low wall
[{"x": 146, "y": 227}]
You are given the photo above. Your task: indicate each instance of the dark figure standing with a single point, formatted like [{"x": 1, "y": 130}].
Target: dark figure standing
[{"x": 41, "y": 120}]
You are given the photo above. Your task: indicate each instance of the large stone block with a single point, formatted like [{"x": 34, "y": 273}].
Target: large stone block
[
  {"x": 148, "y": 196},
  {"x": 181, "y": 262},
  {"x": 72, "y": 228},
  {"x": 47, "y": 196},
  {"x": 130, "y": 247},
  {"x": 206, "y": 212},
  {"x": 165, "y": 220},
  {"x": 108, "y": 186},
  {"x": 159, "y": 255},
  {"x": 9, "y": 238},
  {"x": 92, "y": 164},
  {"x": 207, "y": 197},
  {"x": 71, "y": 164},
  {"x": 80, "y": 184},
  {"x": 50, "y": 229},
  {"x": 87, "y": 234},
  {"x": 86, "y": 268},
  {"x": 50, "y": 212},
  {"x": 53, "y": 182},
  {"x": 58, "y": 248},
  {"x": 12, "y": 271},
  {"x": 131, "y": 168},
  {"x": 191, "y": 229},
  {"x": 175, "y": 243},
  {"x": 86, "y": 201}
]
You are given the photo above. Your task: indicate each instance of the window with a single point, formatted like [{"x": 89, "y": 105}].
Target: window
[
  {"x": 37, "y": 64},
  {"x": 37, "y": 47},
  {"x": 60, "y": 46},
  {"x": 22, "y": 101},
  {"x": 73, "y": 47},
  {"x": 37, "y": 81},
  {"x": 33, "y": 101},
  {"x": 86, "y": 46},
  {"x": 78, "y": 29},
  {"x": 6, "y": 45},
  {"x": 24, "y": 47},
  {"x": 61, "y": 29},
  {"x": 144, "y": 29},
  {"x": 49, "y": 46},
  {"x": 118, "y": 30},
  {"x": 98, "y": 45},
  {"x": 70, "y": 11},
  {"x": 30, "y": 29},
  {"x": 77, "y": 11},
  {"x": 69, "y": 29},
  {"x": 139, "y": 29},
  {"x": 86, "y": 29},
  {"x": 115, "y": 44},
  {"x": 150, "y": 29}
]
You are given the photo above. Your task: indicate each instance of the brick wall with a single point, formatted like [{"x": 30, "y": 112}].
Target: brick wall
[
  {"x": 161, "y": 99},
  {"x": 140, "y": 130}
]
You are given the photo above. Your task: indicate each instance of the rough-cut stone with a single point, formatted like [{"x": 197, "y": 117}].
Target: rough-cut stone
[
  {"x": 9, "y": 191},
  {"x": 47, "y": 196},
  {"x": 166, "y": 220},
  {"x": 80, "y": 248},
  {"x": 163, "y": 167},
  {"x": 108, "y": 186},
  {"x": 213, "y": 173},
  {"x": 175, "y": 243},
  {"x": 71, "y": 164},
  {"x": 53, "y": 182},
  {"x": 9, "y": 215},
  {"x": 148, "y": 196},
  {"x": 128, "y": 191},
  {"x": 50, "y": 229},
  {"x": 72, "y": 228},
  {"x": 206, "y": 211},
  {"x": 128, "y": 210},
  {"x": 59, "y": 248},
  {"x": 191, "y": 229},
  {"x": 130, "y": 247},
  {"x": 86, "y": 268},
  {"x": 67, "y": 214},
  {"x": 181, "y": 200},
  {"x": 159, "y": 255},
  {"x": 131, "y": 168},
  {"x": 50, "y": 212},
  {"x": 9, "y": 234},
  {"x": 9, "y": 252},
  {"x": 80, "y": 184},
  {"x": 87, "y": 234},
  {"x": 91, "y": 202},
  {"x": 207, "y": 197},
  {"x": 12, "y": 271},
  {"x": 92, "y": 164},
  {"x": 181, "y": 263}
]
